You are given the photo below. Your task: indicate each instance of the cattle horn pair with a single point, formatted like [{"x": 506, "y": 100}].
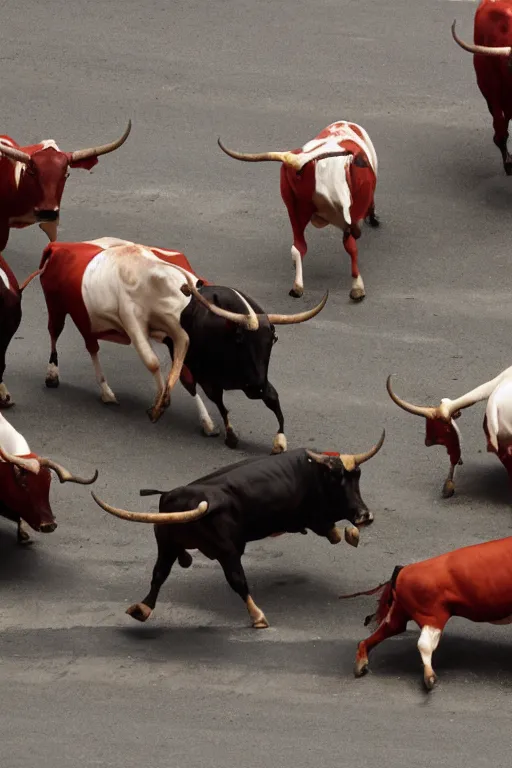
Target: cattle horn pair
[
  {"x": 485, "y": 50},
  {"x": 445, "y": 411},
  {"x": 34, "y": 465},
  {"x": 288, "y": 158},
  {"x": 351, "y": 460},
  {"x": 156, "y": 518},
  {"x": 81, "y": 154}
]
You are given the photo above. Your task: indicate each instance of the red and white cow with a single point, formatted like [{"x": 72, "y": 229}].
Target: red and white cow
[
  {"x": 32, "y": 180},
  {"x": 442, "y": 430},
  {"x": 472, "y": 582},
  {"x": 330, "y": 180},
  {"x": 25, "y": 483},
  {"x": 118, "y": 291},
  {"x": 493, "y": 62}
]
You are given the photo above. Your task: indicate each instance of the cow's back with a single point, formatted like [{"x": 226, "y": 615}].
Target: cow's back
[{"x": 493, "y": 27}]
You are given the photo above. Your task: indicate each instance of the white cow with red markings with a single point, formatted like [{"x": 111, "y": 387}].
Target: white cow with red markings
[{"x": 330, "y": 180}]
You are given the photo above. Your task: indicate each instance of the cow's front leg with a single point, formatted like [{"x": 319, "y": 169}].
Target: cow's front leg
[
  {"x": 56, "y": 320},
  {"x": 167, "y": 555},
  {"x": 107, "y": 395},
  {"x": 23, "y": 535},
  {"x": 188, "y": 381},
  {"x": 371, "y": 216},
  {"x": 427, "y": 644},
  {"x": 449, "y": 484},
  {"x": 271, "y": 400},
  {"x": 233, "y": 570},
  {"x": 357, "y": 292},
  {"x": 216, "y": 396},
  {"x": 300, "y": 213},
  {"x": 133, "y": 326}
]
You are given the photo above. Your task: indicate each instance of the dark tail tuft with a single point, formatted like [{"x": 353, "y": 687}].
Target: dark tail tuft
[
  {"x": 150, "y": 492},
  {"x": 385, "y": 598}
]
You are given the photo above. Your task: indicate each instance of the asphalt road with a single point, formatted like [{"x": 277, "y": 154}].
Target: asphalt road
[{"x": 81, "y": 684}]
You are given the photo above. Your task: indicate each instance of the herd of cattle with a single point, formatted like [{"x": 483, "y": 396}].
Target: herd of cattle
[{"x": 221, "y": 339}]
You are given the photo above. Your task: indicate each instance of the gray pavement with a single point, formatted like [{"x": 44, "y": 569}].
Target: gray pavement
[{"x": 80, "y": 683}]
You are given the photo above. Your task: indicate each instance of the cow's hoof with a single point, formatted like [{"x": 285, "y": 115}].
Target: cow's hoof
[
  {"x": 23, "y": 538},
  {"x": 109, "y": 398},
  {"x": 6, "y": 402},
  {"x": 139, "y": 611},
  {"x": 373, "y": 221},
  {"x": 185, "y": 559},
  {"x": 210, "y": 430},
  {"x": 430, "y": 681},
  {"x": 357, "y": 294},
  {"x": 261, "y": 623},
  {"x": 279, "y": 445},
  {"x": 448, "y": 489},
  {"x": 508, "y": 169},
  {"x": 361, "y": 667},
  {"x": 296, "y": 292},
  {"x": 52, "y": 382},
  {"x": 231, "y": 440},
  {"x": 154, "y": 414}
]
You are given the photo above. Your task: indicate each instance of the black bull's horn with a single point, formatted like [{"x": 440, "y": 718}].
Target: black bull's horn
[
  {"x": 156, "y": 518},
  {"x": 350, "y": 460}
]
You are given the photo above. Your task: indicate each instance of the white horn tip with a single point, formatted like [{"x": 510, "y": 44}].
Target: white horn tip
[{"x": 203, "y": 506}]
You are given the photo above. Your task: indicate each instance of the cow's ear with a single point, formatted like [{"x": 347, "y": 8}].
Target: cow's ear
[{"x": 86, "y": 164}]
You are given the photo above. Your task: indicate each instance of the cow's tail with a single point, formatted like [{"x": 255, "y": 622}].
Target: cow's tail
[
  {"x": 31, "y": 277},
  {"x": 385, "y": 598},
  {"x": 150, "y": 492}
]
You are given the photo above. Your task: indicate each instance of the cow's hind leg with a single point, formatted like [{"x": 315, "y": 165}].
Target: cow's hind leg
[
  {"x": 394, "y": 624},
  {"x": 427, "y": 644},
  {"x": 371, "y": 217},
  {"x": 233, "y": 570},
  {"x": 56, "y": 320},
  {"x": 271, "y": 399},
  {"x": 168, "y": 553},
  {"x": 357, "y": 292},
  {"x": 216, "y": 396},
  {"x": 300, "y": 213},
  {"x": 107, "y": 395},
  {"x": 140, "y": 340}
]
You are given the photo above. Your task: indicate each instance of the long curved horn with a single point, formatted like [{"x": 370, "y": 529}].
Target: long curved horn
[
  {"x": 299, "y": 317},
  {"x": 360, "y": 458},
  {"x": 486, "y": 50},
  {"x": 250, "y": 320},
  {"x": 156, "y": 518},
  {"x": 65, "y": 476},
  {"x": 288, "y": 158},
  {"x": 30, "y": 465},
  {"x": 14, "y": 154},
  {"x": 418, "y": 410},
  {"x": 103, "y": 149}
]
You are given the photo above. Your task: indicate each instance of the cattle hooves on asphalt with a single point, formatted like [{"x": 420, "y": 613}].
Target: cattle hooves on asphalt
[
  {"x": 4, "y": 404},
  {"x": 52, "y": 383},
  {"x": 139, "y": 611},
  {"x": 296, "y": 293},
  {"x": 373, "y": 221},
  {"x": 154, "y": 414},
  {"x": 508, "y": 169},
  {"x": 261, "y": 624},
  {"x": 231, "y": 440},
  {"x": 448, "y": 489},
  {"x": 430, "y": 682},
  {"x": 357, "y": 294},
  {"x": 24, "y": 540},
  {"x": 360, "y": 668}
]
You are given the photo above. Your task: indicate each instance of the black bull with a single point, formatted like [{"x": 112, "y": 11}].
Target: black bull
[
  {"x": 225, "y": 356},
  {"x": 248, "y": 501}
]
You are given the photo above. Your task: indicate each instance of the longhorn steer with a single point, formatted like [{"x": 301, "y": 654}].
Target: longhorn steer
[
  {"x": 492, "y": 62},
  {"x": 331, "y": 180},
  {"x": 117, "y": 291},
  {"x": 472, "y": 582},
  {"x": 248, "y": 501},
  {"x": 25, "y": 483},
  {"x": 442, "y": 430},
  {"x": 32, "y": 181}
]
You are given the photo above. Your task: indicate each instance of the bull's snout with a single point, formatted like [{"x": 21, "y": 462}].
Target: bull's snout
[
  {"x": 364, "y": 518},
  {"x": 46, "y": 214},
  {"x": 48, "y": 527}
]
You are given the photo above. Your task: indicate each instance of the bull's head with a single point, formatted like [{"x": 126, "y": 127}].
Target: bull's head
[
  {"x": 45, "y": 171},
  {"x": 25, "y": 487},
  {"x": 440, "y": 430},
  {"x": 340, "y": 487}
]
